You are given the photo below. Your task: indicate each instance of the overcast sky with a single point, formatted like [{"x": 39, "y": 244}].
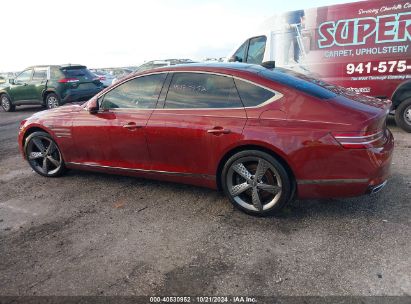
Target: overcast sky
[{"x": 100, "y": 33}]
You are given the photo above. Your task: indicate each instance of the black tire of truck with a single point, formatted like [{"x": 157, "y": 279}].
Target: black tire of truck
[{"x": 403, "y": 115}]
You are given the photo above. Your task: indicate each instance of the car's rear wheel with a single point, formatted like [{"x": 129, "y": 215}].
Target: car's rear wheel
[
  {"x": 44, "y": 155},
  {"x": 403, "y": 115},
  {"x": 52, "y": 101},
  {"x": 256, "y": 183},
  {"x": 6, "y": 103}
]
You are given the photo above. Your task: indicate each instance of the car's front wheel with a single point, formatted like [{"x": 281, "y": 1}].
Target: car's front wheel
[
  {"x": 403, "y": 115},
  {"x": 256, "y": 183},
  {"x": 6, "y": 103},
  {"x": 44, "y": 155},
  {"x": 52, "y": 101}
]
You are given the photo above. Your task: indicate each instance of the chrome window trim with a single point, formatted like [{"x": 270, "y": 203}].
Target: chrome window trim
[{"x": 277, "y": 95}]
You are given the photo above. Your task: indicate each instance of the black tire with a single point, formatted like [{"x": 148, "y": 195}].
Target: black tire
[
  {"x": 38, "y": 148},
  {"x": 52, "y": 101},
  {"x": 403, "y": 115},
  {"x": 272, "y": 189},
  {"x": 6, "y": 103}
]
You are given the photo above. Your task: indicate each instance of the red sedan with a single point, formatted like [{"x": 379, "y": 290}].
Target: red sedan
[{"x": 263, "y": 136}]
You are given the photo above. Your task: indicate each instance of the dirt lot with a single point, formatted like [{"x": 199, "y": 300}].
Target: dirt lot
[{"x": 95, "y": 234}]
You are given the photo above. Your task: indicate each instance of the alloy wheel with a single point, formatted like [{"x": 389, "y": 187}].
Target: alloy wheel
[
  {"x": 44, "y": 155},
  {"x": 254, "y": 183},
  {"x": 52, "y": 102},
  {"x": 5, "y": 103}
]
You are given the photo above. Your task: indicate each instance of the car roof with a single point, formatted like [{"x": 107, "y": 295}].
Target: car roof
[
  {"x": 56, "y": 66},
  {"x": 209, "y": 66}
]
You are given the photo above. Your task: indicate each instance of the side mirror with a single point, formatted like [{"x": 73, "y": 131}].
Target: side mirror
[
  {"x": 234, "y": 59},
  {"x": 12, "y": 81},
  {"x": 92, "y": 106}
]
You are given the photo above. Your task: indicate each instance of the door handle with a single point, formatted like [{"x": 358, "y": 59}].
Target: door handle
[
  {"x": 218, "y": 131},
  {"x": 132, "y": 126}
]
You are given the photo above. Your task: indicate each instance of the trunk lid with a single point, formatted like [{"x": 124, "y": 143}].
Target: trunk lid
[{"x": 368, "y": 100}]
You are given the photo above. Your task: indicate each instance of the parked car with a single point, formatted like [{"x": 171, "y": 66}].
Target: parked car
[
  {"x": 106, "y": 78},
  {"x": 161, "y": 63},
  {"x": 119, "y": 72},
  {"x": 49, "y": 86},
  {"x": 261, "y": 135},
  {"x": 354, "y": 45}
]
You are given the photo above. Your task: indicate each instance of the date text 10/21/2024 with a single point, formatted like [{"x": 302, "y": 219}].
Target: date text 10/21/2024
[{"x": 204, "y": 299}]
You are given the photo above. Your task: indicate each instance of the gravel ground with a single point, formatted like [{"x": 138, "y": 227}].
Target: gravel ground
[{"x": 96, "y": 234}]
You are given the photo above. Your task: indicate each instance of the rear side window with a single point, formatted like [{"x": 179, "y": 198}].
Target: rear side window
[
  {"x": 40, "y": 74},
  {"x": 256, "y": 50},
  {"x": 251, "y": 94},
  {"x": 197, "y": 90},
  {"x": 300, "y": 82},
  {"x": 138, "y": 93},
  {"x": 77, "y": 72},
  {"x": 55, "y": 73}
]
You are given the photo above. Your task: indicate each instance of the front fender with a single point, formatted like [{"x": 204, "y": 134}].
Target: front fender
[
  {"x": 29, "y": 127},
  {"x": 5, "y": 91}
]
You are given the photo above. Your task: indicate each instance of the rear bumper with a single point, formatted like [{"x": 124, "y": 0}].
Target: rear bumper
[
  {"x": 365, "y": 172},
  {"x": 80, "y": 95}
]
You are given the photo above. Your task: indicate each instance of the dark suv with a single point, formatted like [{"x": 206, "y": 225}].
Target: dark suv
[{"x": 49, "y": 86}]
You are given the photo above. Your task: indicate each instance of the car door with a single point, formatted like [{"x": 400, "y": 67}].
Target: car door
[
  {"x": 120, "y": 124},
  {"x": 200, "y": 118},
  {"x": 38, "y": 83},
  {"x": 20, "y": 90},
  {"x": 132, "y": 104},
  {"x": 91, "y": 136}
]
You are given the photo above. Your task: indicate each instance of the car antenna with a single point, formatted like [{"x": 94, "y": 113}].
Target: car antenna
[{"x": 268, "y": 64}]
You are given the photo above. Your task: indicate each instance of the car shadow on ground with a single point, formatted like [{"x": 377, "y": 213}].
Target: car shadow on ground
[
  {"x": 388, "y": 203},
  {"x": 26, "y": 109}
]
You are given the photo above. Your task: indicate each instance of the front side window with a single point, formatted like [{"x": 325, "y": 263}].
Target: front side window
[
  {"x": 256, "y": 50},
  {"x": 40, "y": 74},
  {"x": 198, "y": 90},
  {"x": 252, "y": 95},
  {"x": 140, "y": 93},
  {"x": 24, "y": 76}
]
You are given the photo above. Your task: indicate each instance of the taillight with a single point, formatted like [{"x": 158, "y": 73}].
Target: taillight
[
  {"x": 102, "y": 78},
  {"x": 359, "y": 140},
  {"x": 69, "y": 80}
]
